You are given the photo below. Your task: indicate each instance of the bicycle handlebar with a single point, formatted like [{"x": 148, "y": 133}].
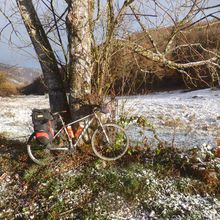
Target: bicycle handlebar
[{"x": 58, "y": 113}]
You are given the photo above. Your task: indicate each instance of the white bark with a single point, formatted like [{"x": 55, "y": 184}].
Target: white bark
[
  {"x": 80, "y": 54},
  {"x": 80, "y": 68},
  {"x": 160, "y": 58}
]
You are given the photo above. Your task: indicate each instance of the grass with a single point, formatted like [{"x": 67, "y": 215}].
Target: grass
[
  {"x": 7, "y": 88},
  {"x": 153, "y": 182}
]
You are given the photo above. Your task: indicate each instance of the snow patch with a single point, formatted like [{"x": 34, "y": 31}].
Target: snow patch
[
  {"x": 185, "y": 119},
  {"x": 180, "y": 118}
]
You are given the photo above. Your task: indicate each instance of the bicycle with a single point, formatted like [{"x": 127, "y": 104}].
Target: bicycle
[{"x": 109, "y": 141}]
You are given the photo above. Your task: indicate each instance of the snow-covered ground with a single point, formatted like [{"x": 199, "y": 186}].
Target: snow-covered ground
[
  {"x": 15, "y": 114},
  {"x": 185, "y": 119},
  {"x": 181, "y": 118}
]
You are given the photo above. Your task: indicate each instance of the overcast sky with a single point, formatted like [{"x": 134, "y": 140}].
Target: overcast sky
[{"x": 11, "y": 54}]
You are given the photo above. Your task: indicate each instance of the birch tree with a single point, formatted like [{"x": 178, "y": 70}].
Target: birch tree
[
  {"x": 79, "y": 19},
  {"x": 96, "y": 30}
]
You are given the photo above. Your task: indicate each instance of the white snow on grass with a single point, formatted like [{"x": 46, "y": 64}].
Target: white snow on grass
[
  {"x": 180, "y": 118},
  {"x": 15, "y": 115}
]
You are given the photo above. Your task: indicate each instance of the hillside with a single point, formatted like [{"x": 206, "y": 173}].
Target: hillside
[
  {"x": 14, "y": 78},
  {"x": 20, "y": 76},
  {"x": 132, "y": 73}
]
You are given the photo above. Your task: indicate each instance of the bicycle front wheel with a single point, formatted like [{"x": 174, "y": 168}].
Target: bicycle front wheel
[
  {"x": 110, "y": 142},
  {"x": 37, "y": 152}
]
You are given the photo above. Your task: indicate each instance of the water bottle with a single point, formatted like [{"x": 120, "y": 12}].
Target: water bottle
[
  {"x": 79, "y": 130},
  {"x": 70, "y": 131}
]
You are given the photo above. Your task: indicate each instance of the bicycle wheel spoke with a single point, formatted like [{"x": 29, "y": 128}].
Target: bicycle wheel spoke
[{"x": 110, "y": 142}]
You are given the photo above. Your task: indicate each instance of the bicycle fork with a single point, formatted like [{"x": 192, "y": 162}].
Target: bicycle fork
[{"x": 103, "y": 129}]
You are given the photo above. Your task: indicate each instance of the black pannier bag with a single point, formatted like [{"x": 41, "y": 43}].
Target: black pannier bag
[{"x": 43, "y": 125}]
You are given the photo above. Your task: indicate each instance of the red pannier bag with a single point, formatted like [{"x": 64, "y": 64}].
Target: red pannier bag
[{"x": 43, "y": 125}]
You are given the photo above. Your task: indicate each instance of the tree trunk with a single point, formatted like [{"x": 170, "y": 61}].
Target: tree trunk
[
  {"x": 46, "y": 57},
  {"x": 80, "y": 57}
]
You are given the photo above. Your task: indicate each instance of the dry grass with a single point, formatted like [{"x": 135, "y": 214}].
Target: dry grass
[
  {"x": 134, "y": 74},
  {"x": 6, "y": 87}
]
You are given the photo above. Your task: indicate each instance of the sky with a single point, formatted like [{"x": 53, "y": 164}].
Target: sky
[
  {"x": 11, "y": 52},
  {"x": 15, "y": 54}
]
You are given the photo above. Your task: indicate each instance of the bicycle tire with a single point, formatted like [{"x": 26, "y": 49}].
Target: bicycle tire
[
  {"x": 106, "y": 150},
  {"x": 37, "y": 152},
  {"x": 42, "y": 155}
]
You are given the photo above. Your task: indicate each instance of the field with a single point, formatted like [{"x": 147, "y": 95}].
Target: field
[
  {"x": 169, "y": 172},
  {"x": 180, "y": 118}
]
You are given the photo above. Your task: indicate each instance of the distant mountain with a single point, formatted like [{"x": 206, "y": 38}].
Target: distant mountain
[{"x": 20, "y": 76}]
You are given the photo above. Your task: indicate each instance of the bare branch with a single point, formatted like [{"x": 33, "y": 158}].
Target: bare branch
[
  {"x": 160, "y": 58},
  {"x": 145, "y": 30},
  {"x": 210, "y": 7},
  {"x": 8, "y": 18},
  {"x": 180, "y": 24},
  {"x": 58, "y": 31},
  {"x": 196, "y": 45},
  {"x": 122, "y": 10},
  {"x": 140, "y": 14}
]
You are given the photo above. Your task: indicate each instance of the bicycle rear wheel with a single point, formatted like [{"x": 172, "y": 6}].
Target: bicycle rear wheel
[
  {"x": 37, "y": 152},
  {"x": 110, "y": 142}
]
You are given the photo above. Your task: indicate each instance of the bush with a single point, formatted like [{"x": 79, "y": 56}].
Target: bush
[{"x": 7, "y": 88}]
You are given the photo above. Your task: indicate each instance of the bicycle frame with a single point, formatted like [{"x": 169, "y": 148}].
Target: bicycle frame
[
  {"x": 92, "y": 117},
  {"x": 109, "y": 141}
]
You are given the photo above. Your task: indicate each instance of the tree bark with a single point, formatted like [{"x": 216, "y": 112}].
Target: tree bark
[
  {"x": 80, "y": 55},
  {"x": 46, "y": 57}
]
